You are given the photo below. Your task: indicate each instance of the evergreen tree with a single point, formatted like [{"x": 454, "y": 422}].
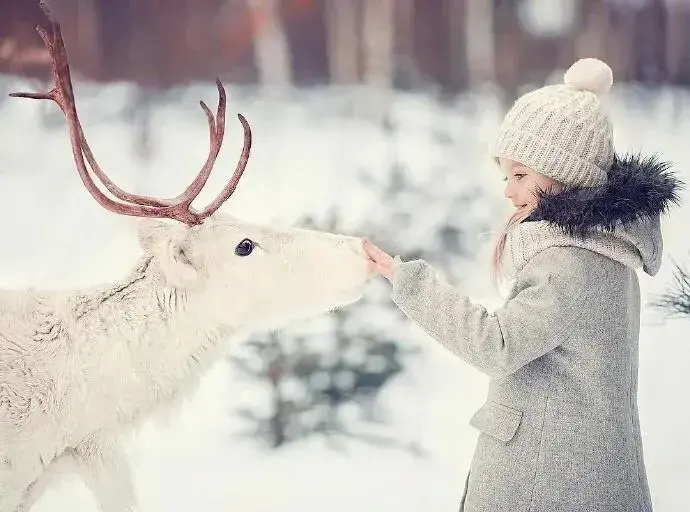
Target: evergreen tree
[{"x": 676, "y": 301}]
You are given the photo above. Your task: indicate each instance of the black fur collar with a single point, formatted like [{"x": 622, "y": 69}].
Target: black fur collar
[{"x": 638, "y": 188}]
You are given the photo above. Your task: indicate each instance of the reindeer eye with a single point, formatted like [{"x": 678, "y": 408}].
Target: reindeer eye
[{"x": 245, "y": 247}]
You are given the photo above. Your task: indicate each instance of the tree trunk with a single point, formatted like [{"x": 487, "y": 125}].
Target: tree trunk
[
  {"x": 675, "y": 41},
  {"x": 378, "y": 40},
  {"x": 479, "y": 42},
  {"x": 457, "y": 44},
  {"x": 405, "y": 74},
  {"x": 593, "y": 38},
  {"x": 676, "y": 52},
  {"x": 87, "y": 35},
  {"x": 343, "y": 39},
  {"x": 272, "y": 51},
  {"x": 508, "y": 56}
]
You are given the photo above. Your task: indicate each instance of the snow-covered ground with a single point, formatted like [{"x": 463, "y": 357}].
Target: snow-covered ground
[{"x": 306, "y": 154}]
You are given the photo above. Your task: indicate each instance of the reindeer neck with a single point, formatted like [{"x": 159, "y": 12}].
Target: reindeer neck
[
  {"x": 142, "y": 308},
  {"x": 150, "y": 341},
  {"x": 92, "y": 299}
]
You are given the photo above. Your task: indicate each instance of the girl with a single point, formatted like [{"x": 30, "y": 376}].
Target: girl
[{"x": 560, "y": 429}]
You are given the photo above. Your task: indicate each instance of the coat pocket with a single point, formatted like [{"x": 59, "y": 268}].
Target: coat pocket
[{"x": 497, "y": 420}]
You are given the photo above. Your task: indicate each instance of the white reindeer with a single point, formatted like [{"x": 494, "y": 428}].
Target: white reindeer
[{"x": 80, "y": 369}]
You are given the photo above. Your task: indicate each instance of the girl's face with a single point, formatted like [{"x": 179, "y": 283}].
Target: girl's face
[{"x": 522, "y": 183}]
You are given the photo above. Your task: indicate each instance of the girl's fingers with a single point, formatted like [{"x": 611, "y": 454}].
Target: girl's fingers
[
  {"x": 376, "y": 253},
  {"x": 381, "y": 269},
  {"x": 386, "y": 271}
]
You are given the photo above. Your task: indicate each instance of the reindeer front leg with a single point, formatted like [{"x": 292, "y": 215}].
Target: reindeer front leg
[
  {"x": 59, "y": 467},
  {"x": 106, "y": 473},
  {"x": 17, "y": 477}
]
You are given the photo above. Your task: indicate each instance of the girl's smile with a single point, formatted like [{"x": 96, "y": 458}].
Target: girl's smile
[{"x": 523, "y": 183}]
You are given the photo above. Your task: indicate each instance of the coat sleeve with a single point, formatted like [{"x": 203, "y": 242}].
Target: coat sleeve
[{"x": 548, "y": 304}]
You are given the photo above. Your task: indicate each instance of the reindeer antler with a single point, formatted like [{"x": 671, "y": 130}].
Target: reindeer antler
[{"x": 178, "y": 208}]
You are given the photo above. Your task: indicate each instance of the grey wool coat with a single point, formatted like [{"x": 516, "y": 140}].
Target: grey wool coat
[{"x": 559, "y": 431}]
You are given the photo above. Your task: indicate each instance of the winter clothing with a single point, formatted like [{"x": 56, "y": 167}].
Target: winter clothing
[
  {"x": 629, "y": 205},
  {"x": 563, "y": 131},
  {"x": 560, "y": 429}
]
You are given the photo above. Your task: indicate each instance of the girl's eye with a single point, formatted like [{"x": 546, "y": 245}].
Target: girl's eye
[
  {"x": 245, "y": 247},
  {"x": 519, "y": 176}
]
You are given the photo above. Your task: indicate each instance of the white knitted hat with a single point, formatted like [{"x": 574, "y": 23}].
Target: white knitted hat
[{"x": 563, "y": 131}]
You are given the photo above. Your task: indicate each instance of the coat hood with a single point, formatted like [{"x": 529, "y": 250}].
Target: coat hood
[
  {"x": 638, "y": 189},
  {"x": 629, "y": 206}
]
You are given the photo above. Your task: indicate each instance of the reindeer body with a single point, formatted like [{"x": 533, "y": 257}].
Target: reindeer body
[{"x": 80, "y": 370}]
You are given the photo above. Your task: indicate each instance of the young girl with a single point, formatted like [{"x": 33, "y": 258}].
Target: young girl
[{"x": 560, "y": 429}]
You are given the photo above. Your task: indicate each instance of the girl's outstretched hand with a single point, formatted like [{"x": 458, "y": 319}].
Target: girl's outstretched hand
[{"x": 380, "y": 261}]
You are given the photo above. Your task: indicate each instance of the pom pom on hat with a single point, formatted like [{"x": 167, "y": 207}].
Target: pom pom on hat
[{"x": 590, "y": 75}]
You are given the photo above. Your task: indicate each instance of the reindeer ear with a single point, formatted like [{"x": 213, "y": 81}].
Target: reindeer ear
[
  {"x": 169, "y": 245},
  {"x": 152, "y": 232}
]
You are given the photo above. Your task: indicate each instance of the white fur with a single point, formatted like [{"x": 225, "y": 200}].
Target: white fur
[
  {"x": 589, "y": 75},
  {"x": 78, "y": 370}
]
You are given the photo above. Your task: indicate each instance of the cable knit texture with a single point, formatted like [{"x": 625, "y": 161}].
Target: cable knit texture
[
  {"x": 563, "y": 130},
  {"x": 560, "y": 428},
  {"x": 639, "y": 246}
]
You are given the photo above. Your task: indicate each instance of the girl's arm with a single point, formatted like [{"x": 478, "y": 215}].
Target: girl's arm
[{"x": 545, "y": 311}]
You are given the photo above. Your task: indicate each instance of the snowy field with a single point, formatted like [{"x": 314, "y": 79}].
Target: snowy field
[{"x": 306, "y": 153}]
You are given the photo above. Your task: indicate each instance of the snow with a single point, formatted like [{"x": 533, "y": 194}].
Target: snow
[{"x": 308, "y": 151}]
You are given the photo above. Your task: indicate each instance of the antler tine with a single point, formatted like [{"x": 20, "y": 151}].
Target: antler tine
[
  {"x": 241, "y": 164},
  {"x": 111, "y": 186},
  {"x": 152, "y": 201},
  {"x": 217, "y": 127},
  {"x": 216, "y": 131},
  {"x": 178, "y": 208},
  {"x": 193, "y": 190},
  {"x": 62, "y": 93}
]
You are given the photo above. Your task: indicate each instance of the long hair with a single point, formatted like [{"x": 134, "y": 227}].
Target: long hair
[
  {"x": 515, "y": 218},
  {"x": 499, "y": 242}
]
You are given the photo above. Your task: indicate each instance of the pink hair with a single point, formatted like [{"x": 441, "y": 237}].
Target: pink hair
[
  {"x": 516, "y": 218},
  {"x": 500, "y": 241}
]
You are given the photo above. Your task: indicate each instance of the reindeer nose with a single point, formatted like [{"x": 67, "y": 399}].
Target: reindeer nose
[{"x": 354, "y": 244}]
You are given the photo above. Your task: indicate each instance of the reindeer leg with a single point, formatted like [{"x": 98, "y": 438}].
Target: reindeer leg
[
  {"x": 13, "y": 497},
  {"x": 21, "y": 492},
  {"x": 106, "y": 473},
  {"x": 15, "y": 479},
  {"x": 58, "y": 468},
  {"x": 10, "y": 498}
]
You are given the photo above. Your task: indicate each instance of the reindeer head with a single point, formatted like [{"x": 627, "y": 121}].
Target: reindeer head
[
  {"x": 252, "y": 275},
  {"x": 236, "y": 272}
]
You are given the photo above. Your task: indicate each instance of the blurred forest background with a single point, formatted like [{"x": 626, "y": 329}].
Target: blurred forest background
[
  {"x": 312, "y": 375},
  {"x": 448, "y": 45}
]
